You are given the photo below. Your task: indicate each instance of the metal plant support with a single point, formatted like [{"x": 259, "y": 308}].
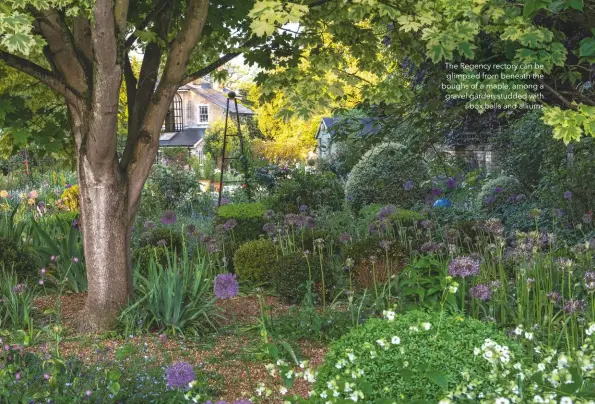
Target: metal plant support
[{"x": 232, "y": 96}]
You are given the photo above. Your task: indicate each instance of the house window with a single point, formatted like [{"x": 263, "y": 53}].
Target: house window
[
  {"x": 203, "y": 113},
  {"x": 174, "y": 120}
]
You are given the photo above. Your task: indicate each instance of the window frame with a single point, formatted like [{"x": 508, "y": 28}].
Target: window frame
[{"x": 200, "y": 115}]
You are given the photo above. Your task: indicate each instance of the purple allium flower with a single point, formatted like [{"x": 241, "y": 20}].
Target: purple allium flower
[
  {"x": 573, "y": 306},
  {"x": 191, "y": 229},
  {"x": 179, "y": 375},
  {"x": 68, "y": 186},
  {"x": 169, "y": 217},
  {"x": 303, "y": 208},
  {"x": 211, "y": 246},
  {"x": 386, "y": 211},
  {"x": 386, "y": 244},
  {"x": 493, "y": 226},
  {"x": 224, "y": 201},
  {"x": 149, "y": 225},
  {"x": 497, "y": 190},
  {"x": 588, "y": 217},
  {"x": 481, "y": 292},
  {"x": 430, "y": 247},
  {"x": 291, "y": 219},
  {"x": 349, "y": 198},
  {"x": 567, "y": 195},
  {"x": 269, "y": 214},
  {"x": 230, "y": 224},
  {"x": 463, "y": 267},
  {"x": 488, "y": 200},
  {"x": 226, "y": 286},
  {"x": 426, "y": 224},
  {"x": 76, "y": 223},
  {"x": 554, "y": 297},
  {"x": 310, "y": 222},
  {"x": 20, "y": 288},
  {"x": 436, "y": 191},
  {"x": 520, "y": 197},
  {"x": 451, "y": 183},
  {"x": 408, "y": 186},
  {"x": 373, "y": 228},
  {"x": 269, "y": 228},
  {"x": 590, "y": 280},
  {"x": 345, "y": 238}
]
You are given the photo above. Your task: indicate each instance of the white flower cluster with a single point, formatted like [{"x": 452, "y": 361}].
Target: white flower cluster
[{"x": 552, "y": 380}]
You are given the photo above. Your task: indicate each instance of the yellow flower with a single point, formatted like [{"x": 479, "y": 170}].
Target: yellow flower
[
  {"x": 4, "y": 194},
  {"x": 31, "y": 201}
]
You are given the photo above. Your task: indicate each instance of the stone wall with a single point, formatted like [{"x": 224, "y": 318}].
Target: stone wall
[{"x": 190, "y": 103}]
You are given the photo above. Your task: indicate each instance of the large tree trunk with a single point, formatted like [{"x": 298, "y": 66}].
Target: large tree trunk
[{"x": 105, "y": 226}]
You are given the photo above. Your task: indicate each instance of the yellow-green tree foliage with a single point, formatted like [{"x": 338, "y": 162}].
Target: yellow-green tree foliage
[{"x": 285, "y": 140}]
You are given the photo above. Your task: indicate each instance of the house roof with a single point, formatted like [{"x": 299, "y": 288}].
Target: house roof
[
  {"x": 218, "y": 97},
  {"x": 366, "y": 125},
  {"x": 186, "y": 138}
]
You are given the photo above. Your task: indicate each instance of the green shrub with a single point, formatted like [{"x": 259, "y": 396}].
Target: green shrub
[
  {"x": 380, "y": 175},
  {"x": 18, "y": 258},
  {"x": 249, "y": 218},
  {"x": 142, "y": 257},
  {"x": 495, "y": 192},
  {"x": 402, "y": 217},
  {"x": 161, "y": 237},
  {"x": 254, "y": 260},
  {"x": 315, "y": 190},
  {"x": 292, "y": 273},
  {"x": 421, "y": 366}
]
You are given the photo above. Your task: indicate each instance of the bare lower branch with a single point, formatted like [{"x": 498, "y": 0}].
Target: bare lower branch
[
  {"x": 45, "y": 76},
  {"x": 564, "y": 100},
  {"x": 219, "y": 62}
]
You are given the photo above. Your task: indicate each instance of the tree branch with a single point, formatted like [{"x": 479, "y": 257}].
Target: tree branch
[
  {"x": 219, "y": 62},
  {"x": 564, "y": 100},
  {"x": 147, "y": 142},
  {"x": 145, "y": 23},
  {"x": 43, "y": 75}
]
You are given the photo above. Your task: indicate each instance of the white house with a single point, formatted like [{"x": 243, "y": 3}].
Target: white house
[{"x": 194, "y": 107}]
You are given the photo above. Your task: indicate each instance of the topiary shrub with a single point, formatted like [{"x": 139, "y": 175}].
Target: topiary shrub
[
  {"x": 254, "y": 260},
  {"x": 249, "y": 219},
  {"x": 292, "y": 272},
  {"x": 497, "y": 191},
  {"x": 314, "y": 190},
  {"x": 369, "y": 259},
  {"x": 417, "y": 356},
  {"x": 382, "y": 176},
  {"x": 17, "y": 258}
]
